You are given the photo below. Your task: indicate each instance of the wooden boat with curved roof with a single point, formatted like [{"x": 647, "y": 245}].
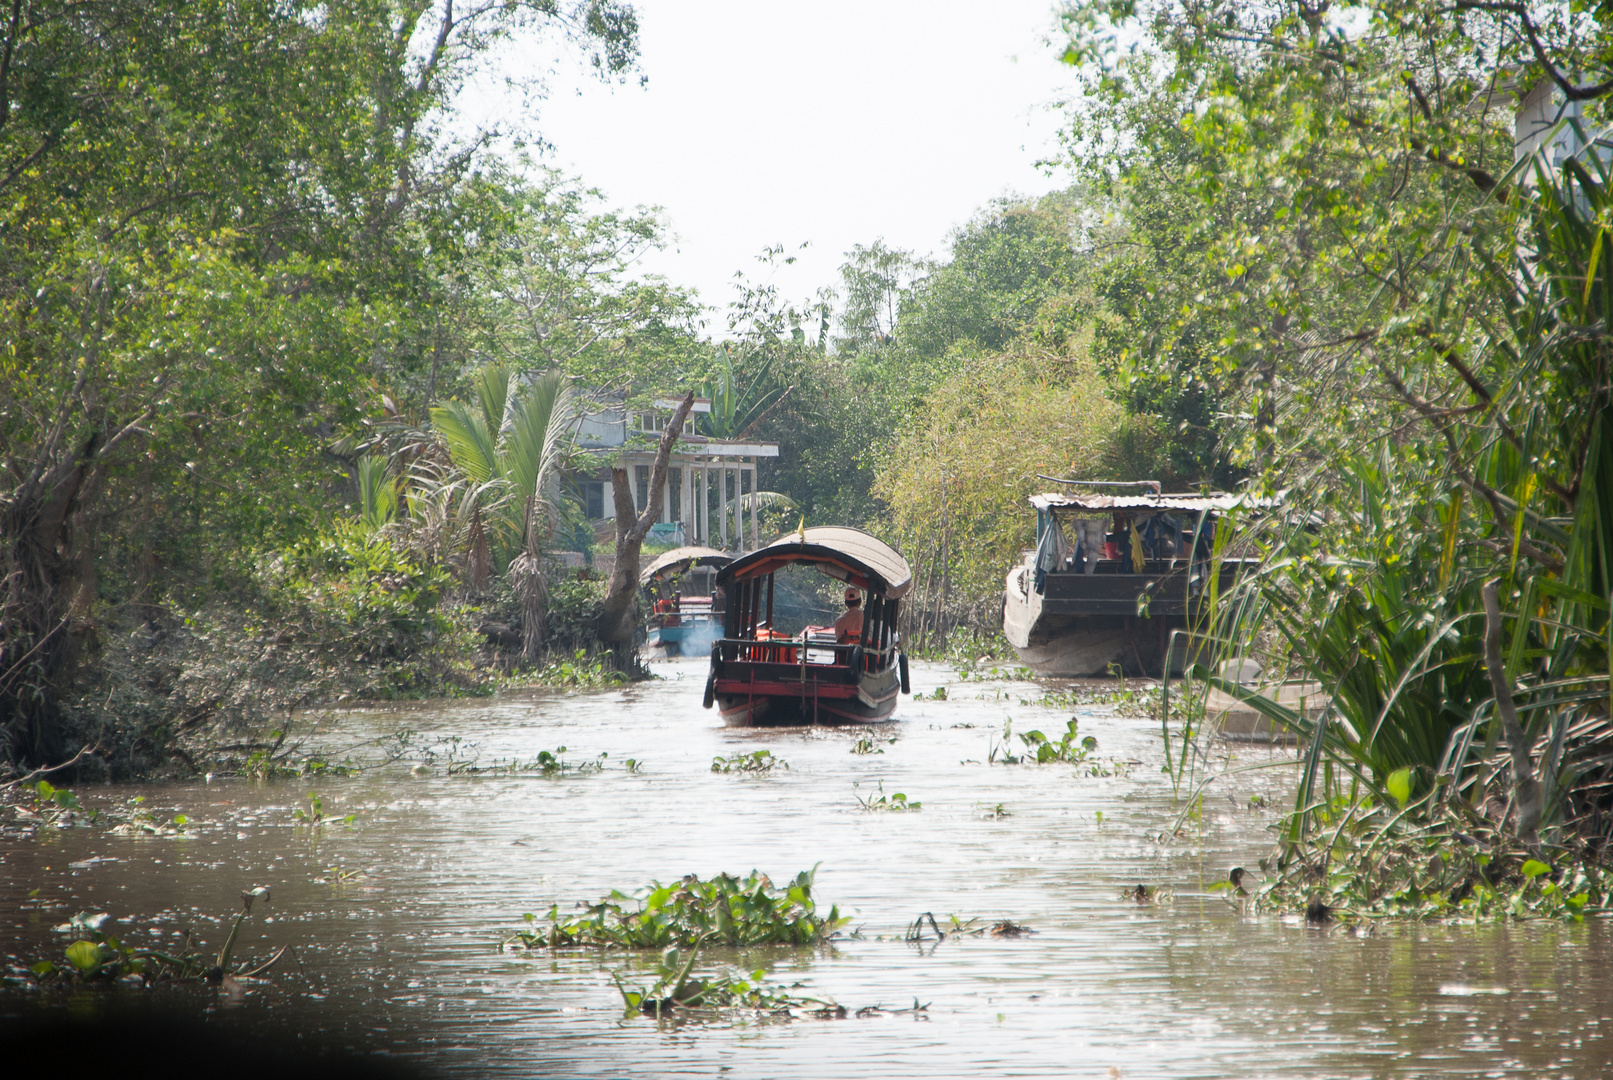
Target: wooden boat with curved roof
[
  {"x": 679, "y": 592},
  {"x": 761, "y": 676}
]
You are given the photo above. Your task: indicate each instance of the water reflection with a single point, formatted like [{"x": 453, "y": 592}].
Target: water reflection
[{"x": 395, "y": 918}]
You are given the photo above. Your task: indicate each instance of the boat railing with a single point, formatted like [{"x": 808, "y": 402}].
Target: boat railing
[{"x": 805, "y": 650}]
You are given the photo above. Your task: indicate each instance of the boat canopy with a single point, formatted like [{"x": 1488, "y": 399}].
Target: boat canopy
[
  {"x": 843, "y": 553},
  {"x": 1190, "y": 503},
  {"x": 683, "y": 558}
]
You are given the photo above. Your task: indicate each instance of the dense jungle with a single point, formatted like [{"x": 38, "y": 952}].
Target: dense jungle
[{"x": 294, "y": 359}]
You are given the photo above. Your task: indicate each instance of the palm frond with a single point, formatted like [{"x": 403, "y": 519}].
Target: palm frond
[{"x": 470, "y": 442}]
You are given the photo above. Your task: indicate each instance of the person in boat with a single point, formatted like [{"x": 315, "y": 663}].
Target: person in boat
[
  {"x": 849, "y": 627},
  {"x": 667, "y": 608}
]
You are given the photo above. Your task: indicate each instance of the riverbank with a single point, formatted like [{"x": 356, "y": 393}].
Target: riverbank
[{"x": 170, "y": 689}]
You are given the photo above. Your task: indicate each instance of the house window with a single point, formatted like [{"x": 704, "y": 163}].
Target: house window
[
  {"x": 674, "y": 484},
  {"x": 641, "y": 473},
  {"x": 653, "y": 423},
  {"x": 593, "y": 497}
]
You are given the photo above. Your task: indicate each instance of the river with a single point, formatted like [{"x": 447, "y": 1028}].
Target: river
[{"x": 396, "y": 917}]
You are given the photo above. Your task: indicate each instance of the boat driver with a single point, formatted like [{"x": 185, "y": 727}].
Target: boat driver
[{"x": 849, "y": 627}]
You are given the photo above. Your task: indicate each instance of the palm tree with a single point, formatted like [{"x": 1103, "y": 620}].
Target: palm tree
[{"x": 505, "y": 455}]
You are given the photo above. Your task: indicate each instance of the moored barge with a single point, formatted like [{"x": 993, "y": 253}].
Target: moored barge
[{"x": 1111, "y": 577}]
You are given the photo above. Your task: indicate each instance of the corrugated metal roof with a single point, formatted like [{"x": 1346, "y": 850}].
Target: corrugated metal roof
[
  {"x": 1217, "y": 503},
  {"x": 830, "y": 547},
  {"x": 693, "y": 555}
]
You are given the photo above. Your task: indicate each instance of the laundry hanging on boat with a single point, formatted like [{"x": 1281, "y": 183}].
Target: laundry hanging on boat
[
  {"x": 1091, "y": 532},
  {"x": 1050, "y": 551},
  {"x": 1162, "y": 536}
]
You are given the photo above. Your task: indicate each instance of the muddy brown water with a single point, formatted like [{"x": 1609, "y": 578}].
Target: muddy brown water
[{"x": 396, "y": 919}]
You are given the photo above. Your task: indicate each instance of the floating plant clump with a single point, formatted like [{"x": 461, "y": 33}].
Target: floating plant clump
[{"x": 724, "y": 910}]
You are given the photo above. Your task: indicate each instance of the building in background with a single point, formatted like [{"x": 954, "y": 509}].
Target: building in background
[{"x": 711, "y": 483}]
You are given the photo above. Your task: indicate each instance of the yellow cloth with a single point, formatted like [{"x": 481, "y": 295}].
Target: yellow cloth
[{"x": 1137, "y": 559}]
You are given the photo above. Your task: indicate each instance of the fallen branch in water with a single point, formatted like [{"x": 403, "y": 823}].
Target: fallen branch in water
[{"x": 46, "y": 770}]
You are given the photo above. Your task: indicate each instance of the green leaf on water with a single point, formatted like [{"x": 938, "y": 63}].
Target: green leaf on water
[
  {"x": 84, "y": 955},
  {"x": 1533, "y": 868},
  {"x": 1399, "y": 785}
]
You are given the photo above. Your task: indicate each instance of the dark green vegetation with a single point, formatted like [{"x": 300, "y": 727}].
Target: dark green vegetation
[
  {"x": 1408, "y": 333},
  {"x": 238, "y": 236},
  {"x": 678, "y": 992},
  {"x": 726, "y": 910}
]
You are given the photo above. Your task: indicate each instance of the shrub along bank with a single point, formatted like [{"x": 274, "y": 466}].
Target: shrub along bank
[{"x": 187, "y": 682}]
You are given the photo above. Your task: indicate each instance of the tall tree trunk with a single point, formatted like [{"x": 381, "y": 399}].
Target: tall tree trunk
[
  {"x": 532, "y": 585},
  {"x": 40, "y": 567},
  {"x": 618, "y": 622}
]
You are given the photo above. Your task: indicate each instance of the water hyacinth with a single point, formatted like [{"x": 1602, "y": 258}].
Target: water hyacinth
[
  {"x": 724, "y": 910},
  {"x": 1454, "y": 869},
  {"x": 678, "y": 991}
]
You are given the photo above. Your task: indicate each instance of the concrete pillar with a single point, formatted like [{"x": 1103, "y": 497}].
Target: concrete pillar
[
  {"x": 755, "y": 512},
  {"x": 722, "y": 504},
  {"x": 685, "y": 500}
]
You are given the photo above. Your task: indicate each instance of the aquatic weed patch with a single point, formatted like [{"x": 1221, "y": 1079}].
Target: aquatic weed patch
[
  {"x": 576, "y": 672},
  {"x": 42, "y": 805},
  {"x": 458, "y": 757},
  {"x": 1041, "y": 750},
  {"x": 724, "y": 910},
  {"x": 1449, "y": 869},
  {"x": 1125, "y": 698},
  {"x": 680, "y": 995},
  {"x": 879, "y": 801},
  {"x": 98, "y": 956},
  {"x": 1070, "y": 748},
  {"x": 678, "y": 992},
  {"x": 755, "y": 763},
  {"x": 315, "y": 817},
  {"x": 867, "y": 745}
]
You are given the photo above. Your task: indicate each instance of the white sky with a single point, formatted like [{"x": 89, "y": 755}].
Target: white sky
[{"x": 836, "y": 123}]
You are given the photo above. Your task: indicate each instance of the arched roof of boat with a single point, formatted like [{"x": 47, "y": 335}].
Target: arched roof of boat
[
  {"x": 839, "y": 551},
  {"x": 686, "y": 558}
]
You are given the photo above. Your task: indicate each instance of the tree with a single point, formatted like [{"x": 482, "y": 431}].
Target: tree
[
  {"x": 618, "y": 621},
  {"x": 221, "y": 221},
  {"x": 955, "y": 479},
  {"x": 1007, "y": 264},
  {"x": 874, "y": 279},
  {"x": 506, "y": 456},
  {"x": 557, "y": 286}
]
